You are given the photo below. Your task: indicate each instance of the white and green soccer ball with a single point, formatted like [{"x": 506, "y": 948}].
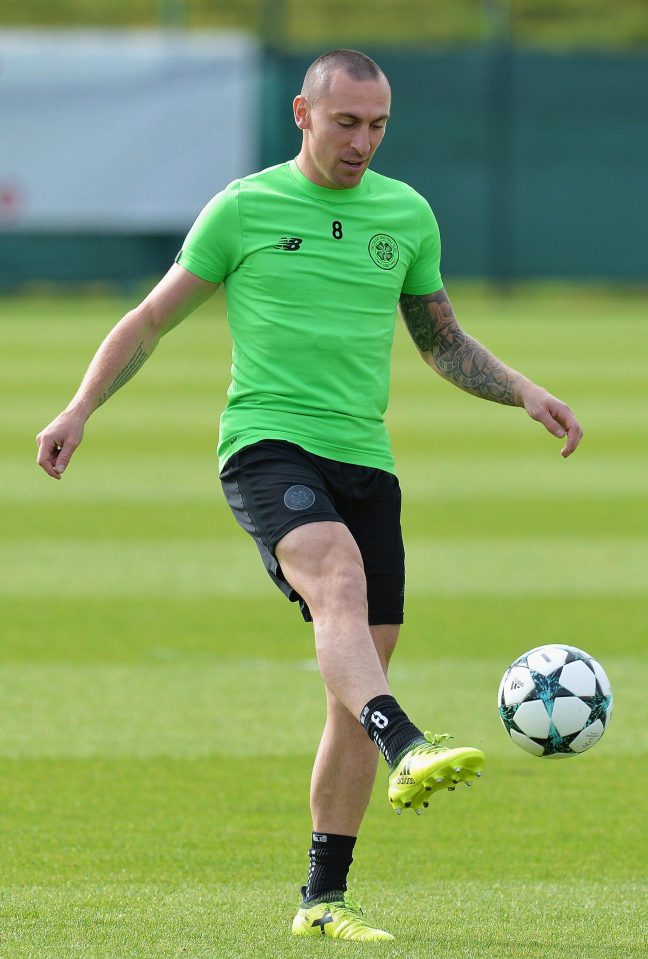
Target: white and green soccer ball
[{"x": 555, "y": 701}]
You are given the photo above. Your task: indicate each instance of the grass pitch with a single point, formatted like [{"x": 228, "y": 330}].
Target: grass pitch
[{"x": 159, "y": 703}]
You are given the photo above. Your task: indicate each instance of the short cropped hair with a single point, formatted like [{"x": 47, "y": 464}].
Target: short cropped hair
[{"x": 318, "y": 76}]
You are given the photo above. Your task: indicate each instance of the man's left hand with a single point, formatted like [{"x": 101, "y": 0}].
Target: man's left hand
[{"x": 555, "y": 416}]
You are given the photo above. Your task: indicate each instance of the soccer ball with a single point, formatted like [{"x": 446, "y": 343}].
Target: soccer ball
[{"x": 555, "y": 701}]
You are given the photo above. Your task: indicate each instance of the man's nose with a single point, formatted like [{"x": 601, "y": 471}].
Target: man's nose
[{"x": 360, "y": 141}]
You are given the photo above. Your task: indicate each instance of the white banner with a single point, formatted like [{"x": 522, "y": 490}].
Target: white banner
[{"x": 122, "y": 131}]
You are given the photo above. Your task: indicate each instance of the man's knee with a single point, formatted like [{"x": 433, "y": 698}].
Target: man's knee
[
  {"x": 322, "y": 563},
  {"x": 341, "y": 587}
]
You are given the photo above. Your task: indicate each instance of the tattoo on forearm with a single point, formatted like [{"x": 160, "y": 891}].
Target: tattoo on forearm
[
  {"x": 135, "y": 363},
  {"x": 458, "y": 357}
]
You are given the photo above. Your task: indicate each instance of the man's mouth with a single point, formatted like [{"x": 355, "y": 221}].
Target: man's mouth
[{"x": 354, "y": 164}]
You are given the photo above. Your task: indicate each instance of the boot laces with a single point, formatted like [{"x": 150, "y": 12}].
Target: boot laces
[
  {"x": 351, "y": 911},
  {"x": 432, "y": 739}
]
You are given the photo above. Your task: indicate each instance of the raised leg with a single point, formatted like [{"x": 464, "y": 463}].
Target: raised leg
[{"x": 323, "y": 564}]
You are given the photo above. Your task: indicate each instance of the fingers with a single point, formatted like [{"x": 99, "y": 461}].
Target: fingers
[
  {"x": 550, "y": 422},
  {"x": 54, "y": 452},
  {"x": 558, "y": 419},
  {"x": 574, "y": 435},
  {"x": 64, "y": 456},
  {"x": 48, "y": 451},
  {"x": 567, "y": 425}
]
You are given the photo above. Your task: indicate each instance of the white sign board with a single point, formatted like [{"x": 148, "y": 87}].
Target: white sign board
[{"x": 122, "y": 131}]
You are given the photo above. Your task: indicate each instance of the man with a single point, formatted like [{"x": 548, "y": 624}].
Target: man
[{"x": 315, "y": 255}]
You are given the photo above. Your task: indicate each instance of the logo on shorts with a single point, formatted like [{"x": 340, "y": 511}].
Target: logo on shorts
[
  {"x": 383, "y": 250},
  {"x": 299, "y": 497}
]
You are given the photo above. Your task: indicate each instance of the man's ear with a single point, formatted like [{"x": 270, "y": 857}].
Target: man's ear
[{"x": 301, "y": 112}]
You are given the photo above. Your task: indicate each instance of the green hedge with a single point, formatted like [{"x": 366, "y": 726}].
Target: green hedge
[{"x": 550, "y": 23}]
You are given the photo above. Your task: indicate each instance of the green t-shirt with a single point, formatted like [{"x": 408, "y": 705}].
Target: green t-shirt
[{"x": 312, "y": 278}]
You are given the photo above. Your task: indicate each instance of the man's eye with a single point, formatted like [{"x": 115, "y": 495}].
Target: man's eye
[{"x": 342, "y": 124}]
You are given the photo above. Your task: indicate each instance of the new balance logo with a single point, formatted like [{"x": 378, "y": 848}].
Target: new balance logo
[{"x": 289, "y": 243}]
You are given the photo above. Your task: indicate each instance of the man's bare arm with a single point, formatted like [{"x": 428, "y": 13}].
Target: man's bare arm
[
  {"x": 118, "y": 359},
  {"x": 462, "y": 360}
]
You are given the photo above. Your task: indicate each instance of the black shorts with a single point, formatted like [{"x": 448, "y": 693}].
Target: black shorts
[{"x": 274, "y": 486}]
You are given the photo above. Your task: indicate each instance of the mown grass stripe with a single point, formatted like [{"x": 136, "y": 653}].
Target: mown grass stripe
[
  {"x": 193, "y": 477},
  {"x": 231, "y": 568},
  {"x": 175, "y": 707}
]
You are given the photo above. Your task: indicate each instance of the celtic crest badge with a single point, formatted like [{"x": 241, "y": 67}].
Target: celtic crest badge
[{"x": 383, "y": 250}]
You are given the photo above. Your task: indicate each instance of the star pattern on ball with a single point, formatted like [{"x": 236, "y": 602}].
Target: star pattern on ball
[{"x": 555, "y": 701}]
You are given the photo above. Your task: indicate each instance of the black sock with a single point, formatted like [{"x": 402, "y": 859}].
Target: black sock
[
  {"x": 388, "y": 726},
  {"x": 330, "y": 858}
]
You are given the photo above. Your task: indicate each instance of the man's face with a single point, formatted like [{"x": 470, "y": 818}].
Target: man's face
[{"x": 342, "y": 130}]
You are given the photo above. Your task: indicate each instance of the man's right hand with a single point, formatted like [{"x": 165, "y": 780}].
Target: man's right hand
[
  {"x": 58, "y": 441},
  {"x": 119, "y": 357}
]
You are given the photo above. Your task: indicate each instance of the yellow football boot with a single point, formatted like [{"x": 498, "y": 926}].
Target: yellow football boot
[
  {"x": 428, "y": 766},
  {"x": 342, "y": 919}
]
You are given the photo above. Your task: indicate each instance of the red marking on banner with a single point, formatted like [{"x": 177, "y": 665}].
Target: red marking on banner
[{"x": 11, "y": 200}]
